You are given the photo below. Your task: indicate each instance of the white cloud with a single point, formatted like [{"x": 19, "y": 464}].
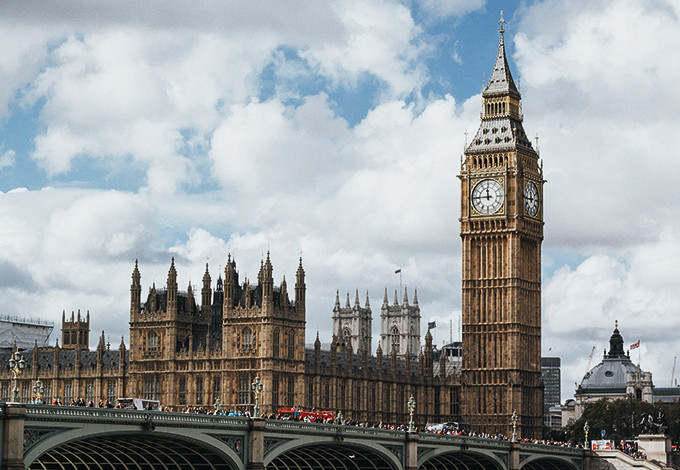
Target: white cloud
[
  {"x": 444, "y": 8},
  {"x": 8, "y": 158}
]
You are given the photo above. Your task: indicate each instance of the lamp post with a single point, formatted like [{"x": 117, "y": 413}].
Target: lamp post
[
  {"x": 257, "y": 388},
  {"x": 586, "y": 428},
  {"x": 411, "y": 409},
  {"x": 514, "y": 425},
  {"x": 38, "y": 391},
  {"x": 16, "y": 365}
]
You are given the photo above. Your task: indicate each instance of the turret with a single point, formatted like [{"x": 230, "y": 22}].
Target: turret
[
  {"x": 229, "y": 283},
  {"x": 429, "y": 354},
  {"x": 285, "y": 300},
  {"x": 267, "y": 284},
  {"x": 121, "y": 354},
  {"x": 206, "y": 293},
  {"x": 300, "y": 289},
  {"x": 172, "y": 290},
  {"x": 135, "y": 293}
]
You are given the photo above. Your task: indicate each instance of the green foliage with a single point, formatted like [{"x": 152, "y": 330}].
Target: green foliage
[{"x": 621, "y": 419}]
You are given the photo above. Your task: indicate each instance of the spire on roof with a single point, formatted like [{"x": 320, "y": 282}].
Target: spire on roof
[
  {"x": 501, "y": 80},
  {"x": 356, "y": 300}
]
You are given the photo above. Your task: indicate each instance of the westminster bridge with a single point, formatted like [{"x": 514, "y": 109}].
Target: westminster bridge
[{"x": 63, "y": 437}]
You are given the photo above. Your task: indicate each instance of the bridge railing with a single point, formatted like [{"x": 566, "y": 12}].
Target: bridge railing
[
  {"x": 448, "y": 439},
  {"x": 77, "y": 413},
  {"x": 301, "y": 427},
  {"x": 553, "y": 449}
]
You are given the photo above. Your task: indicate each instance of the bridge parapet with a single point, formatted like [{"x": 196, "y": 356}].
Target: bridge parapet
[
  {"x": 103, "y": 415},
  {"x": 255, "y": 443}
]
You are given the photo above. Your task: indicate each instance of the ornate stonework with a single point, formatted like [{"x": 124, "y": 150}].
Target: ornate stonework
[{"x": 501, "y": 227}]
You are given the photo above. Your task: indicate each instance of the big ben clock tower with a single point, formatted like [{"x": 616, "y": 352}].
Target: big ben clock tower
[{"x": 501, "y": 227}]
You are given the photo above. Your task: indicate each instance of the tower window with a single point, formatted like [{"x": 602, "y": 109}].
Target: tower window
[
  {"x": 247, "y": 340},
  {"x": 216, "y": 389},
  {"x": 275, "y": 343},
  {"x": 395, "y": 339},
  {"x": 275, "y": 391},
  {"x": 182, "y": 391},
  {"x": 347, "y": 336},
  {"x": 152, "y": 343},
  {"x": 199, "y": 391},
  {"x": 291, "y": 344},
  {"x": 244, "y": 390}
]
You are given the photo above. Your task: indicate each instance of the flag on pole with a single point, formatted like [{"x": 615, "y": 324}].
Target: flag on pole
[
  {"x": 432, "y": 324},
  {"x": 635, "y": 345},
  {"x": 397, "y": 271}
]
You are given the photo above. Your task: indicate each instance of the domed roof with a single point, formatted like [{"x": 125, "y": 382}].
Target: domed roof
[{"x": 611, "y": 374}]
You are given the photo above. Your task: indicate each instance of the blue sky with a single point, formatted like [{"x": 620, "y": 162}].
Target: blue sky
[{"x": 335, "y": 130}]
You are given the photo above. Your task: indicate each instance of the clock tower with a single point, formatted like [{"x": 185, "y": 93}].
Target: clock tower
[{"x": 501, "y": 227}]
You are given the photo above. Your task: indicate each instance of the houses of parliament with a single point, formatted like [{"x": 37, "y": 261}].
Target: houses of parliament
[{"x": 191, "y": 347}]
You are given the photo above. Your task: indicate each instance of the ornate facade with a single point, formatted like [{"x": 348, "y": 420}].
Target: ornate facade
[
  {"x": 186, "y": 353},
  {"x": 501, "y": 227},
  {"x": 353, "y": 326}
]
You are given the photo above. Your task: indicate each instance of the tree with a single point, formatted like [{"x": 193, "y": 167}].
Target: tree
[{"x": 619, "y": 419}]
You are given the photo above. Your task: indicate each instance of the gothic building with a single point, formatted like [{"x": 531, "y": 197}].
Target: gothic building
[
  {"x": 190, "y": 348},
  {"x": 501, "y": 227},
  {"x": 186, "y": 353}
]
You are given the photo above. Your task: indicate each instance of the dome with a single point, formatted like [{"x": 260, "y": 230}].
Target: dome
[{"x": 610, "y": 375}]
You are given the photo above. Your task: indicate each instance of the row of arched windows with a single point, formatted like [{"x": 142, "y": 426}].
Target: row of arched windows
[
  {"x": 495, "y": 108},
  {"x": 490, "y": 162}
]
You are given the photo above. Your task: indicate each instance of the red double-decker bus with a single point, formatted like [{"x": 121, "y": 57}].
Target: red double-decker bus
[{"x": 301, "y": 413}]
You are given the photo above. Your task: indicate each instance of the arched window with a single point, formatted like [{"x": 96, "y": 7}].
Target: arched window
[
  {"x": 291, "y": 344},
  {"x": 152, "y": 342},
  {"x": 247, "y": 339},
  {"x": 347, "y": 336},
  {"x": 275, "y": 343},
  {"x": 395, "y": 339}
]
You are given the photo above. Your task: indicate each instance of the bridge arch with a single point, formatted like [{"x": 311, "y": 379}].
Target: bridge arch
[
  {"x": 138, "y": 450},
  {"x": 542, "y": 462},
  {"x": 448, "y": 459},
  {"x": 324, "y": 452}
]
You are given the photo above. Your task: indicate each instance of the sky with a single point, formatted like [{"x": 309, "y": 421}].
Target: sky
[{"x": 333, "y": 130}]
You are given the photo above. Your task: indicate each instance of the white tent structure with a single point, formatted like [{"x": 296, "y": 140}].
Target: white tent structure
[{"x": 25, "y": 332}]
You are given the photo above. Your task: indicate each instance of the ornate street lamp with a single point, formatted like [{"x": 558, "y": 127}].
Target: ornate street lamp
[
  {"x": 514, "y": 425},
  {"x": 257, "y": 388},
  {"x": 586, "y": 428},
  {"x": 411, "y": 409},
  {"x": 16, "y": 365},
  {"x": 38, "y": 391}
]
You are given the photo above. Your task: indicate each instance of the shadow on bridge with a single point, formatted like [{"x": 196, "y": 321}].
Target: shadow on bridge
[
  {"x": 329, "y": 457},
  {"x": 131, "y": 451},
  {"x": 460, "y": 461}
]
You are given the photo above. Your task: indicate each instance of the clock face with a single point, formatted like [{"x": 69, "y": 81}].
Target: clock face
[
  {"x": 531, "y": 199},
  {"x": 487, "y": 196}
]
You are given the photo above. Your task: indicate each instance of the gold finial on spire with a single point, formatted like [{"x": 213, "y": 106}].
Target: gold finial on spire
[
  {"x": 502, "y": 23},
  {"x": 616, "y": 323}
]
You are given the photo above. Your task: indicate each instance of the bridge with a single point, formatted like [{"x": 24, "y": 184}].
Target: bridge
[{"x": 64, "y": 437}]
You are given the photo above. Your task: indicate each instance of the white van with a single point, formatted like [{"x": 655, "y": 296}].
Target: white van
[{"x": 139, "y": 404}]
